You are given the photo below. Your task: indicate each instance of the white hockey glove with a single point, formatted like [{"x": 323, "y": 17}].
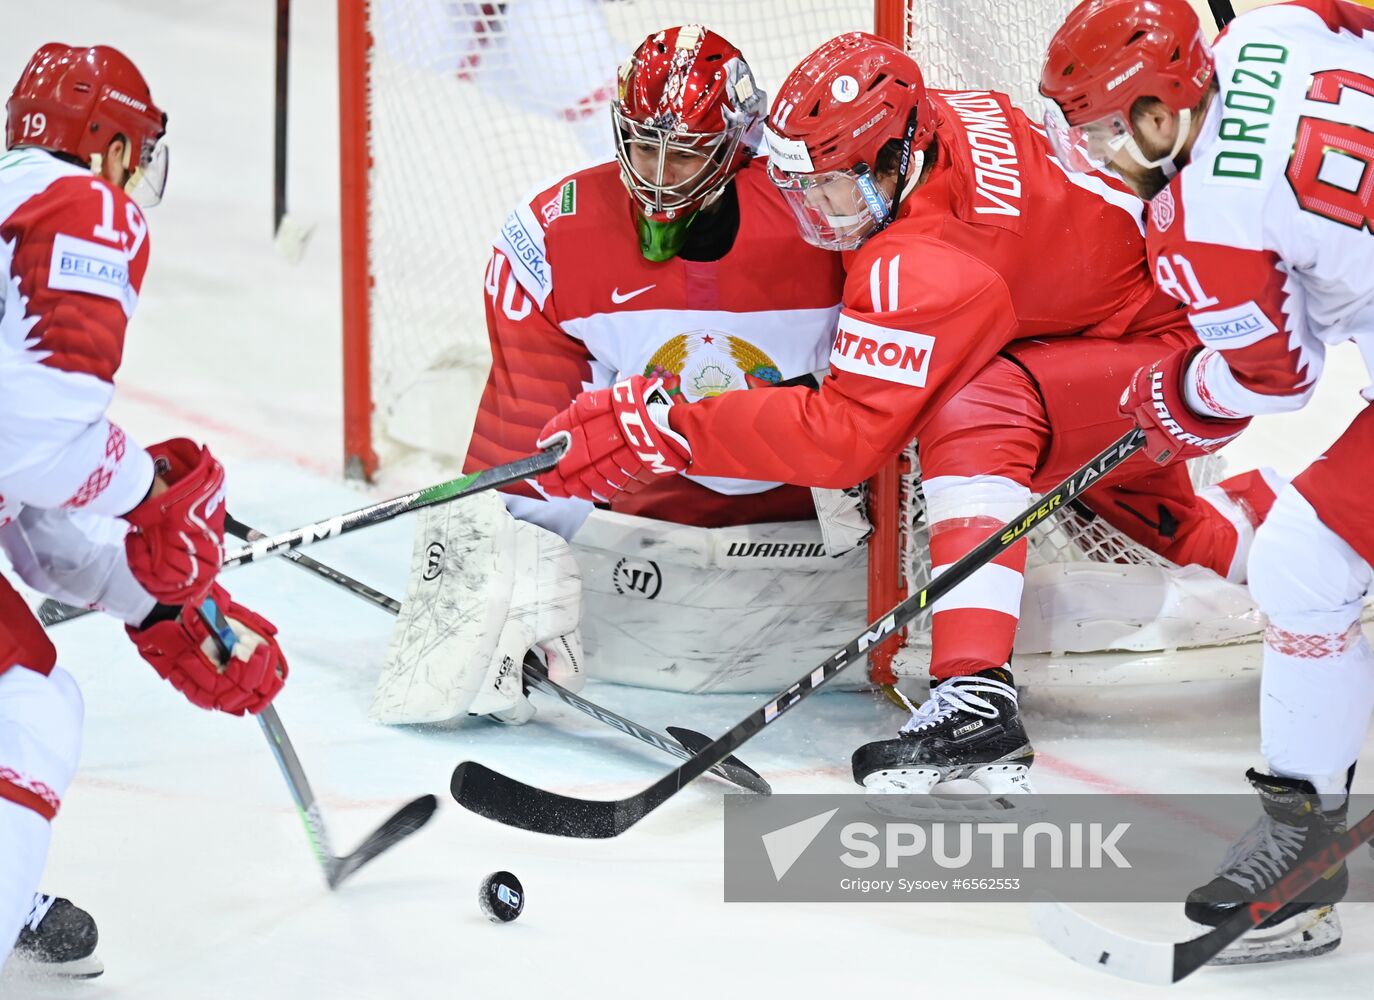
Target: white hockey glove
[
  {"x": 843, "y": 517},
  {"x": 484, "y": 589}
]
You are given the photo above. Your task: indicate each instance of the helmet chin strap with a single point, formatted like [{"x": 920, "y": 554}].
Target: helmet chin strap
[
  {"x": 1165, "y": 162},
  {"x": 909, "y": 166}
]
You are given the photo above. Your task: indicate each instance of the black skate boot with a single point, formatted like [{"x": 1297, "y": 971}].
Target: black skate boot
[
  {"x": 58, "y": 939},
  {"x": 1292, "y": 828},
  {"x": 970, "y": 727}
]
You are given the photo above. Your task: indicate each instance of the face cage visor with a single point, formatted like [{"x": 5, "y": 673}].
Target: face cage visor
[
  {"x": 835, "y": 210},
  {"x": 1096, "y": 145},
  {"x": 662, "y": 201}
]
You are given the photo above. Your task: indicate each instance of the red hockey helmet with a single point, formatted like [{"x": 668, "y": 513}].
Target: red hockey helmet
[
  {"x": 832, "y": 115},
  {"x": 76, "y": 101},
  {"x": 687, "y": 110},
  {"x": 1107, "y": 55}
]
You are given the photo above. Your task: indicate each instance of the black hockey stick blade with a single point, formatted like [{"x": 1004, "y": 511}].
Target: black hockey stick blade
[
  {"x": 1164, "y": 962},
  {"x": 507, "y": 800},
  {"x": 737, "y": 770},
  {"x": 53, "y": 612},
  {"x": 406, "y": 820},
  {"x": 493, "y": 795}
]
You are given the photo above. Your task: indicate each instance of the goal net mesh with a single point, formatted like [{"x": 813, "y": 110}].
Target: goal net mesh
[{"x": 470, "y": 105}]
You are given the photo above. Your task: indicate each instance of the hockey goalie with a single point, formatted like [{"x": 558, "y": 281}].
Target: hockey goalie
[{"x": 700, "y": 280}]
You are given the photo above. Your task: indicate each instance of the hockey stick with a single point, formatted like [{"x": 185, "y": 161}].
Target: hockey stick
[
  {"x": 683, "y": 742},
  {"x": 401, "y": 824},
  {"x": 55, "y": 612},
  {"x": 1222, "y": 12},
  {"x": 289, "y": 234},
  {"x": 494, "y": 795},
  {"x": 279, "y": 115},
  {"x": 535, "y": 676},
  {"x": 1163, "y": 962}
]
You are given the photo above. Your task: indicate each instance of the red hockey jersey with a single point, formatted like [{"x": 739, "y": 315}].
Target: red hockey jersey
[
  {"x": 572, "y": 305},
  {"x": 999, "y": 243}
]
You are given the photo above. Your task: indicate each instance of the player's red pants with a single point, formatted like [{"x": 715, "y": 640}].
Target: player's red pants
[{"x": 1023, "y": 425}]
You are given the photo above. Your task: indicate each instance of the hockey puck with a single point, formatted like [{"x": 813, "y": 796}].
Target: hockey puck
[{"x": 501, "y": 897}]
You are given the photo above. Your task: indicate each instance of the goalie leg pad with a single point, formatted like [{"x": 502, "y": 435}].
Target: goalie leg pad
[{"x": 484, "y": 589}]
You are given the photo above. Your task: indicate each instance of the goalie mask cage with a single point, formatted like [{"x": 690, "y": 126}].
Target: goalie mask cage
[{"x": 451, "y": 110}]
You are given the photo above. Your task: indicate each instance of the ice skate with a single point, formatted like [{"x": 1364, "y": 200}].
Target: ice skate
[
  {"x": 58, "y": 939},
  {"x": 1292, "y": 827},
  {"x": 969, "y": 727}
]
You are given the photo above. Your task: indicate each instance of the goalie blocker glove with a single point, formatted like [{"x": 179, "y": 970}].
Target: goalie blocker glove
[
  {"x": 180, "y": 647},
  {"x": 618, "y": 440},
  {"x": 1155, "y": 401},
  {"x": 176, "y": 540}
]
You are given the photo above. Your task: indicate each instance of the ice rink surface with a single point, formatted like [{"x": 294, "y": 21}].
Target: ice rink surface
[{"x": 179, "y": 834}]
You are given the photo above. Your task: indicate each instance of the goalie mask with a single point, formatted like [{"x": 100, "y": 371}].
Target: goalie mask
[
  {"x": 686, "y": 119},
  {"x": 74, "y": 102},
  {"x": 832, "y": 117},
  {"x": 1108, "y": 55}
]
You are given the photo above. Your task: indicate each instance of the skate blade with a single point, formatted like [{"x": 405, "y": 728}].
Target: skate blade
[
  {"x": 1307, "y": 935},
  {"x": 1003, "y": 778},
  {"x": 948, "y": 803},
  {"x": 80, "y": 968},
  {"x": 903, "y": 780}
]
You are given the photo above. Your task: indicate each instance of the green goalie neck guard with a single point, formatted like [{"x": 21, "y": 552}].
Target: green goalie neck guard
[{"x": 660, "y": 241}]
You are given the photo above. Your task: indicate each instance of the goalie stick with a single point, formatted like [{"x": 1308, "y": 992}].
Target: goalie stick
[
  {"x": 401, "y": 824},
  {"x": 55, "y": 612},
  {"x": 496, "y": 796},
  {"x": 1163, "y": 962},
  {"x": 535, "y": 676}
]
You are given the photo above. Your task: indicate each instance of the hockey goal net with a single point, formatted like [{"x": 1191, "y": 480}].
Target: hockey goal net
[{"x": 451, "y": 110}]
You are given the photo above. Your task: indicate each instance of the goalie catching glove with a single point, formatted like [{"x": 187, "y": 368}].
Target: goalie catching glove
[
  {"x": 484, "y": 590},
  {"x": 1155, "y": 401},
  {"x": 618, "y": 440},
  {"x": 178, "y": 643}
]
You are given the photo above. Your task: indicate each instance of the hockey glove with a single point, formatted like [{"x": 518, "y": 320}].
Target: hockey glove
[
  {"x": 177, "y": 537},
  {"x": 618, "y": 440},
  {"x": 178, "y": 643},
  {"x": 1155, "y": 401}
]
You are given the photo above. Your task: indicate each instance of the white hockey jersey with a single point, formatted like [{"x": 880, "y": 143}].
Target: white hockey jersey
[
  {"x": 1266, "y": 233},
  {"x": 73, "y": 251}
]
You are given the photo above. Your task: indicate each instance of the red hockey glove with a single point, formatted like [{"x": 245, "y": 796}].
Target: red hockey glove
[
  {"x": 184, "y": 652},
  {"x": 618, "y": 440},
  {"x": 1154, "y": 400},
  {"x": 177, "y": 537}
]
